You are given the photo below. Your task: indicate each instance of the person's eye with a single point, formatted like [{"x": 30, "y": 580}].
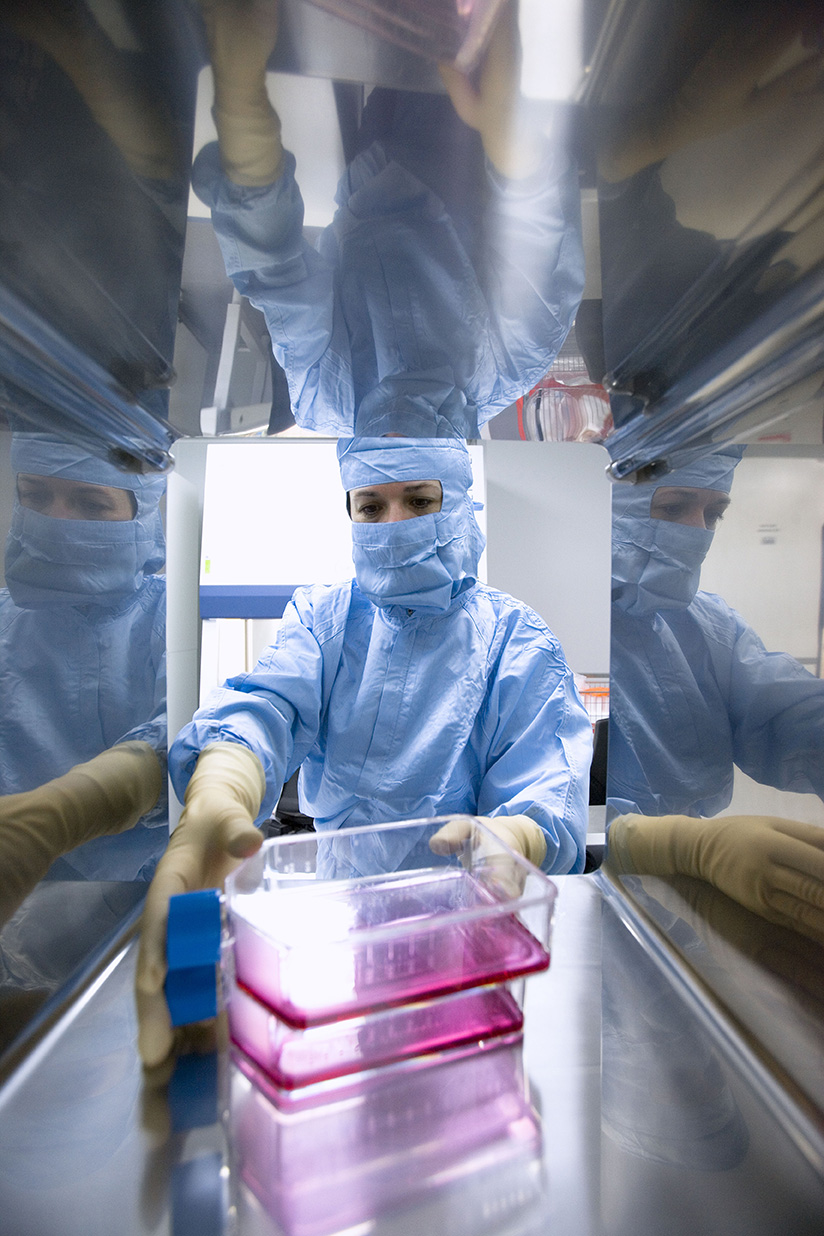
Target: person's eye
[
  {"x": 369, "y": 510},
  {"x": 422, "y": 504},
  {"x": 91, "y": 509},
  {"x": 671, "y": 511},
  {"x": 34, "y": 498},
  {"x": 713, "y": 518}
]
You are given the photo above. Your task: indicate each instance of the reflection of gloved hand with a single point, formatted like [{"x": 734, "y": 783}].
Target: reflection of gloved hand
[
  {"x": 216, "y": 830},
  {"x": 773, "y": 867},
  {"x": 242, "y": 35},
  {"x": 519, "y": 832},
  {"x": 730, "y": 933},
  {"x": 120, "y": 100},
  {"x": 490, "y": 102},
  {"x": 107, "y": 794}
]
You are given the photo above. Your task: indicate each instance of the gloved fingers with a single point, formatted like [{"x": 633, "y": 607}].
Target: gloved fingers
[
  {"x": 453, "y": 836},
  {"x": 802, "y": 913},
  {"x": 479, "y": 853},
  {"x": 219, "y": 831},
  {"x": 208, "y": 843},
  {"x": 155, "y": 1034},
  {"x": 805, "y": 886},
  {"x": 805, "y": 843},
  {"x": 201, "y": 1038},
  {"x": 240, "y": 839},
  {"x": 730, "y": 931}
]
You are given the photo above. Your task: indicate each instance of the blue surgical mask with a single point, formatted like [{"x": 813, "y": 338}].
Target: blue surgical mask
[
  {"x": 417, "y": 563},
  {"x": 53, "y": 562},
  {"x": 656, "y": 565}
]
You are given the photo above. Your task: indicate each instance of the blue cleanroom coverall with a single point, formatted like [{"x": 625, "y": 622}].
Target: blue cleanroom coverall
[
  {"x": 83, "y": 646},
  {"x": 693, "y": 691},
  {"x": 412, "y": 690},
  {"x": 406, "y": 318}
]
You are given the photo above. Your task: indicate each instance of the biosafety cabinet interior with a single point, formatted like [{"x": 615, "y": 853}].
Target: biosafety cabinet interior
[{"x": 669, "y": 1076}]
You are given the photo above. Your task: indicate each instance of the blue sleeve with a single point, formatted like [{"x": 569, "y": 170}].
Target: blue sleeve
[
  {"x": 776, "y": 714},
  {"x": 274, "y": 711},
  {"x": 541, "y": 751},
  {"x": 534, "y": 274},
  {"x": 260, "y": 231}
]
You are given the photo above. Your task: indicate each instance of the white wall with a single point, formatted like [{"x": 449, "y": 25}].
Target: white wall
[
  {"x": 549, "y": 513},
  {"x": 765, "y": 558}
]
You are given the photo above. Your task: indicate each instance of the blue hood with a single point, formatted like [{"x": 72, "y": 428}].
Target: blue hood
[
  {"x": 52, "y": 561},
  {"x": 419, "y": 563},
  {"x": 656, "y": 565}
]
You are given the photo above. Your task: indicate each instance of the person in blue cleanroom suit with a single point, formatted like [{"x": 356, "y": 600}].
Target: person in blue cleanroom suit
[
  {"x": 694, "y": 692},
  {"x": 452, "y": 270},
  {"x": 410, "y": 691},
  {"x": 82, "y": 661}
]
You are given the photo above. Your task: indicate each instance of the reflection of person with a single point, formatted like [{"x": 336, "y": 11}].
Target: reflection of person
[
  {"x": 411, "y": 691},
  {"x": 82, "y": 662},
  {"x": 442, "y": 290},
  {"x": 693, "y": 689},
  {"x": 694, "y": 693}
]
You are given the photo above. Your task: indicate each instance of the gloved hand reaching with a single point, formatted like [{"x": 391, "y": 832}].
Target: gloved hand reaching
[
  {"x": 107, "y": 794},
  {"x": 490, "y": 102},
  {"x": 494, "y": 866},
  {"x": 519, "y": 832},
  {"x": 774, "y": 867},
  {"x": 216, "y": 831},
  {"x": 242, "y": 35}
]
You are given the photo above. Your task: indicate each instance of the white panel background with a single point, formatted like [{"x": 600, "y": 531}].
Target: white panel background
[{"x": 765, "y": 559}]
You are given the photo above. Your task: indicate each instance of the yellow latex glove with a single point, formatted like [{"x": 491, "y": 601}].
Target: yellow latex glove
[
  {"x": 242, "y": 35},
  {"x": 519, "y": 832},
  {"x": 773, "y": 867},
  {"x": 107, "y": 794},
  {"x": 216, "y": 831}
]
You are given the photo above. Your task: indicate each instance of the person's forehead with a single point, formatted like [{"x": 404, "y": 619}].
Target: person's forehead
[
  {"x": 693, "y": 492},
  {"x": 65, "y": 483},
  {"x": 397, "y": 486}
]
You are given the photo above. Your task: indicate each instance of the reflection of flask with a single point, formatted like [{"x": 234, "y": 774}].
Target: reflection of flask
[
  {"x": 565, "y": 406},
  {"x": 437, "y": 29},
  {"x": 391, "y": 1141}
]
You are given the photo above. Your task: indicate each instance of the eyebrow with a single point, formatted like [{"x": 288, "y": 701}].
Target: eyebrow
[
  {"x": 411, "y": 487},
  {"x": 673, "y": 491}
]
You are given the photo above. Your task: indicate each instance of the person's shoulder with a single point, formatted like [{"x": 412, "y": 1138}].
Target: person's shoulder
[
  {"x": 717, "y": 619},
  {"x": 511, "y": 618},
  {"x": 326, "y": 608}
]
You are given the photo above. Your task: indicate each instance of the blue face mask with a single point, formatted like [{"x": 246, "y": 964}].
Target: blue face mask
[
  {"x": 656, "y": 565},
  {"x": 52, "y": 562},
  {"x": 659, "y": 568},
  {"x": 424, "y": 562}
]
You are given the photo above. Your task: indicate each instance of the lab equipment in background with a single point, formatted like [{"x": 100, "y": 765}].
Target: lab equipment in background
[
  {"x": 565, "y": 406},
  {"x": 331, "y": 966},
  {"x": 594, "y": 692}
]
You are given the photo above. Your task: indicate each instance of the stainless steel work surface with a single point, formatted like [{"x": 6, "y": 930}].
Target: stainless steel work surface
[{"x": 639, "y": 1121}]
